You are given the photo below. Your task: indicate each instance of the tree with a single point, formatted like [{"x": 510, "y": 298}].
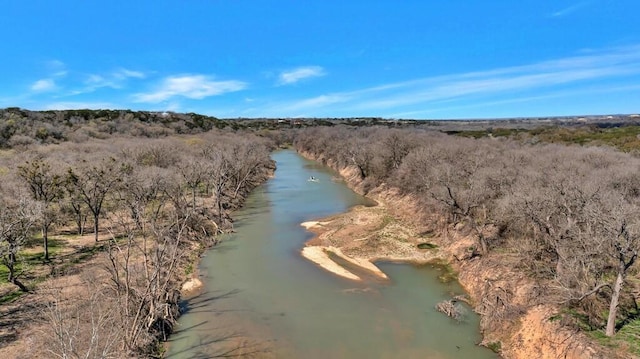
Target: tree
[
  {"x": 619, "y": 229},
  {"x": 143, "y": 270},
  {"x": 219, "y": 172},
  {"x": 360, "y": 154},
  {"x": 247, "y": 158},
  {"x": 555, "y": 198},
  {"x": 46, "y": 187},
  {"x": 583, "y": 213},
  {"x": 462, "y": 178},
  {"x": 194, "y": 172},
  {"x": 393, "y": 146},
  {"x": 143, "y": 191},
  {"x": 76, "y": 205},
  {"x": 92, "y": 184},
  {"x": 16, "y": 218},
  {"x": 82, "y": 325}
]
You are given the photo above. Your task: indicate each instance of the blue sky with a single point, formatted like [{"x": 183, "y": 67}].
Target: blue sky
[{"x": 259, "y": 58}]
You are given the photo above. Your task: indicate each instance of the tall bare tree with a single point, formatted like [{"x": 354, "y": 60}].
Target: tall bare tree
[
  {"x": 618, "y": 223},
  {"x": 143, "y": 269},
  {"x": 92, "y": 184},
  {"x": 47, "y": 188},
  {"x": 17, "y": 215},
  {"x": 220, "y": 170},
  {"x": 247, "y": 158},
  {"x": 194, "y": 173}
]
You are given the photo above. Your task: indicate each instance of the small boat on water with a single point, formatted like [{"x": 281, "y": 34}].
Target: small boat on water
[{"x": 313, "y": 179}]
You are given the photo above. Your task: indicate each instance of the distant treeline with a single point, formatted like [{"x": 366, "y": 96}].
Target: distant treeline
[{"x": 21, "y": 127}]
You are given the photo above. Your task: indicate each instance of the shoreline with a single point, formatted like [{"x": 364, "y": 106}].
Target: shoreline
[
  {"x": 348, "y": 237},
  {"x": 529, "y": 333}
]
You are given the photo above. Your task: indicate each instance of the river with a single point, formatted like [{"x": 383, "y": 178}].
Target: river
[{"x": 262, "y": 299}]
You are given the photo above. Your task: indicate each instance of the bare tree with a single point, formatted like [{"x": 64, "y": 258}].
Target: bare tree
[
  {"x": 391, "y": 147},
  {"x": 464, "y": 178},
  {"x": 47, "y": 188},
  {"x": 359, "y": 153},
  {"x": 143, "y": 191},
  {"x": 16, "y": 219},
  {"x": 77, "y": 208},
  {"x": 247, "y": 158},
  {"x": 194, "y": 172},
  {"x": 219, "y": 173},
  {"x": 619, "y": 227},
  {"x": 92, "y": 183},
  {"x": 82, "y": 326},
  {"x": 143, "y": 271}
]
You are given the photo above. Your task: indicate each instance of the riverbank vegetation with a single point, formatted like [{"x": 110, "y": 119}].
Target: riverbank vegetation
[
  {"x": 565, "y": 217},
  {"x": 103, "y": 213},
  {"x": 97, "y": 235}
]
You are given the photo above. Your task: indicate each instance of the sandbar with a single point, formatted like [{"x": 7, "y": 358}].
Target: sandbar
[
  {"x": 312, "y": 224},
  {"x": 320, "y": 256}
]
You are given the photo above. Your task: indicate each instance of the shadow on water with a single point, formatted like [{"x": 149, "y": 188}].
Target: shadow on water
[
  {"x": 227, "y": 345},
  {"x": 226, "y": 245},
  {"x": 204, "y": 300},
  {"x": 216, "y": 342}
]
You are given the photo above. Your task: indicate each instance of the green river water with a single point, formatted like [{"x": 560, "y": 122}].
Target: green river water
[{"x": 260, "y": 292}]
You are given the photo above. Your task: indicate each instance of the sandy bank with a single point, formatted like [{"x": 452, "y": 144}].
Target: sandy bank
[
  {"x": 191, "y": 287},
  {"x": 347, "y": 244},
  {"x": 320, "y": 256},
  {"x": 312, "y": 224}
]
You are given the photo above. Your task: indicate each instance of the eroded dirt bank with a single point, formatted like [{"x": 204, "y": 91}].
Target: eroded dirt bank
[{"x": 510, "y": 318}]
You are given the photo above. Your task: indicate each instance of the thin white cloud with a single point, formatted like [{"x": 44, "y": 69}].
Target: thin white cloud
[
  {"x": 116, "y": 80},
  {"x": 57, "y": 68},
  {"x": 570, "y": 9},
  {"x": 55, "y": 65},
  {"x": 547, "y": 96},
  {"x": 502, "y": 83},
  {"x": 95, "y": 81},
  {"x": 189, "y": 86},
  {"x": 43, "y": 85},
  {"x": 113, "y": 79},
  {"x": 126, "y": 73},
  {"x": 292, "y": 76}
]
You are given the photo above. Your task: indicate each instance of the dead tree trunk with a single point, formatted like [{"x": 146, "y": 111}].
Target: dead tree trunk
[{"x": 613, "y": 306}]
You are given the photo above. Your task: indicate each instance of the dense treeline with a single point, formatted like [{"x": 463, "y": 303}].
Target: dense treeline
[
  {"x": 622, "y": 135},
  {"x": 151, "y": 205},
  {"x": 569, "y": 215},
  {"x": 20, "y": 128}
]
